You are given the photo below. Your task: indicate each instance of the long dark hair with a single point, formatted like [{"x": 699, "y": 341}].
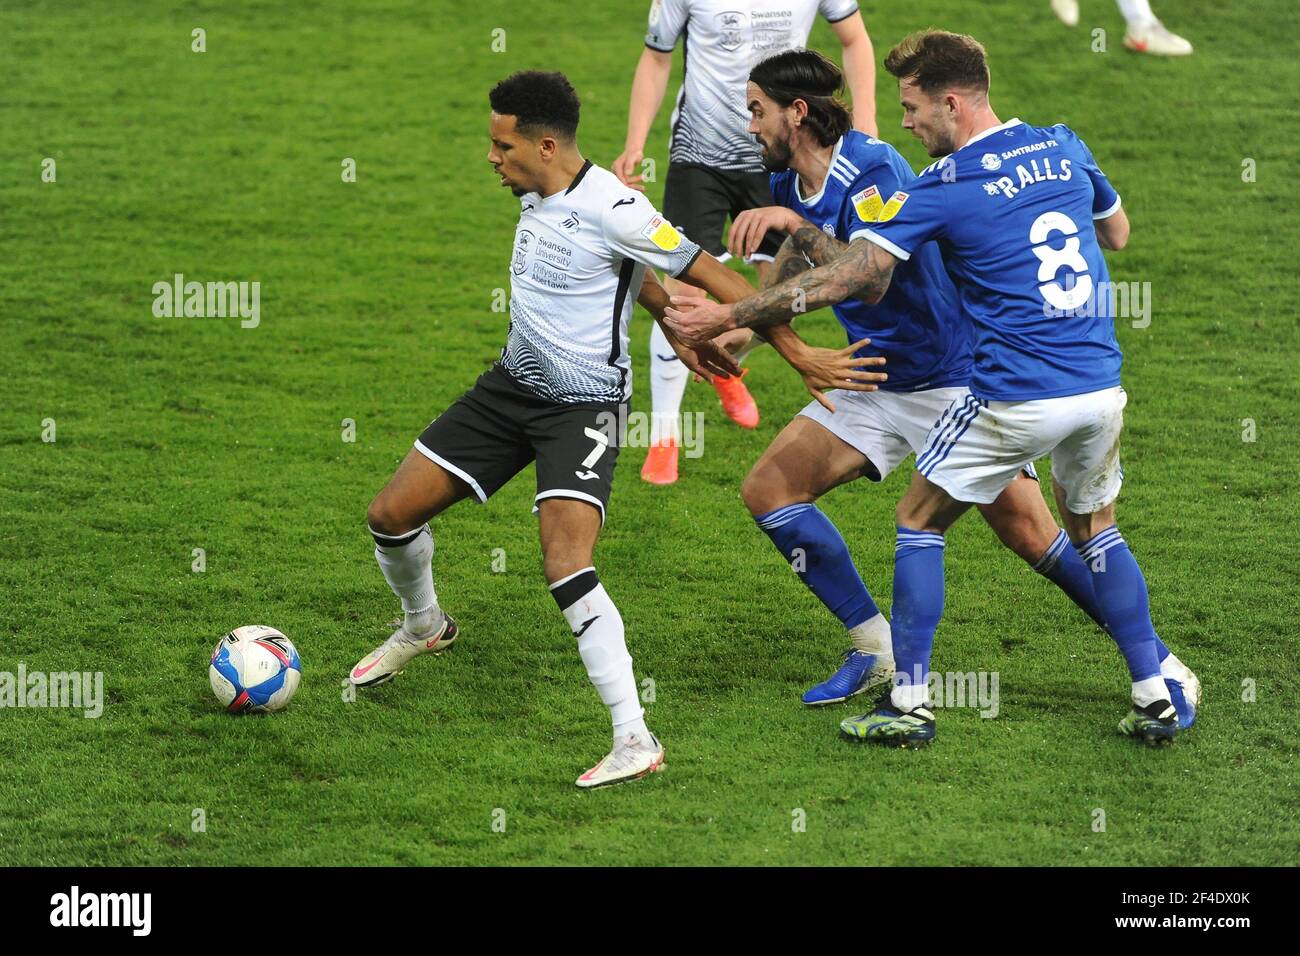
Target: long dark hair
[{"x": 807, "y": 75}]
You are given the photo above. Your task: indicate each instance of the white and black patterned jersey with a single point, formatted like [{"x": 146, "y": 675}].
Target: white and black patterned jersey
[
  {"x": 579, "y": 259},
  {"x": 722, "y": 41}
]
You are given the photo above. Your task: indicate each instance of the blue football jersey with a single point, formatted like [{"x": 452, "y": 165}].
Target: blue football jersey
[
  {"x": 917, "y": 325},
  {"x": 1013, "y": 213}
]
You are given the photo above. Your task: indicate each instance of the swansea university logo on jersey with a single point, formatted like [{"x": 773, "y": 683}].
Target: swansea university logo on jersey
[{"x": 731, "y": 30}]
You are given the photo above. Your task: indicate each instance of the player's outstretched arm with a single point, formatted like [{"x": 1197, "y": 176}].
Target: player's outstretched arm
[
  {"x": 704, "y": 360},
  {"x": 725, "y": 285},
  {"x": 819, "y": 368},
  {"x": 823, "y": 369},
  {"x": 862, "y": 271}
]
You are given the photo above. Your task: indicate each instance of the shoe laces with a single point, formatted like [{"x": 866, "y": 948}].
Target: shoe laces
[{"x": 625, "y": 751}]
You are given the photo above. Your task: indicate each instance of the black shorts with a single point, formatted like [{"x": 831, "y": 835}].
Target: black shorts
[
  {"x": 494, "y": 430},
  {"x": 698, "y": 200}
]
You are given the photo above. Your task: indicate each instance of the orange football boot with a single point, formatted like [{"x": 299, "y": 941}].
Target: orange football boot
[
  {"x": 736, "y": 400},
  {"x": 660, "y": 466}
]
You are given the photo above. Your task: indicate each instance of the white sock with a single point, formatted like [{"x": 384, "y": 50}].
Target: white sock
[
  {"x": 872, "y": 636},
  {"x": 1137, "y": 13},
  {"x": 668, "y": 380},
  {"x": 597, "y": 625},
  {"x": 909, "y": 696},
  {"x": 407, "y": 563},
  {"x": 1149, "y": 691},
  {"x": 1171, "y": 666}
]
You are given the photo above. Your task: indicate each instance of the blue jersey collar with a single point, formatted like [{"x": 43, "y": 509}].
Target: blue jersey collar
[
  {"x": 989, "y": 132},
  {"x": 814, "y": 199}
]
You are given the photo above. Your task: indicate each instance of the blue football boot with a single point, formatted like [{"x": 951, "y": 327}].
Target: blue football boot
[
  {"x": 858, "y": 673},
  {"x": 1185, "y": 694}
]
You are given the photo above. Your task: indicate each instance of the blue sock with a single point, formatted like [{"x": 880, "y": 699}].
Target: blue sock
[
  {"x": 1062, "y": 565},
  {"x": 1122, "y": 595},
  {"x": 918, "y": 602},
  {"x": 816, "y": 550}
]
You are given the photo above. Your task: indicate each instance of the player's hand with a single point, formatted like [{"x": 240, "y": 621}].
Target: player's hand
[
  {"x": 625, "y": 168},
  {"x": 839, "y": 368},
  {"x": 705, "y": 360},
  {"x": 749, "y": 228},
  {"x": 696, "y": 320},
  {"x": 735, "y": 340}
]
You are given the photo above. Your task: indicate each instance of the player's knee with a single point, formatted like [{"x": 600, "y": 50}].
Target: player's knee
[
  {"x": 764, "y": 489},
  {"x": 755, "y": 491},
  {"x": 383, "y": 518},
  {"x": 1022, "y": 536}
]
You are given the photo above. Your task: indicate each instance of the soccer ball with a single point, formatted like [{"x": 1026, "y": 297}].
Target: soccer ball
[{"x": 254, "y": 669}]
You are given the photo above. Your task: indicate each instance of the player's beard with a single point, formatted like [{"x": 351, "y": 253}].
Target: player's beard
[
  {"x": 941, "y": 145},
  {"x": 776, "y": 155}
]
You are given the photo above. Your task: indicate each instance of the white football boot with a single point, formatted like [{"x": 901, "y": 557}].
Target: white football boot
[
  {"x": 389, "y": 659},
  {"x": 1155, "y": 38},
  {"x": 631, "y": 759},
  {"x": 1067, "y": 11}
]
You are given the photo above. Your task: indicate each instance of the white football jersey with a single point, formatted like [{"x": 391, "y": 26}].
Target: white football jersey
[
  {"x": 579, "y": 259},
  {"x": 723, "y": 40}
]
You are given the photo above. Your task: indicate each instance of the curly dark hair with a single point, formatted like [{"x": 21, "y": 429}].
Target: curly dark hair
[
  {"x": 807, "y": 75},
  {"x": 539, "y": 102}
]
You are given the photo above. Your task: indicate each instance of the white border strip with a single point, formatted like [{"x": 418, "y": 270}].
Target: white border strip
[
  {"x": 1109, "y": 212},
  {"x": 459, "y": 473},
  {"x": 873, "y": 236},
  {"x": 566, "y": 493}
]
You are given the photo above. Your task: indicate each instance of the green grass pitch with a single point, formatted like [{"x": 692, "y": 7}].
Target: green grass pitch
[{"x": 180, "y": 433}]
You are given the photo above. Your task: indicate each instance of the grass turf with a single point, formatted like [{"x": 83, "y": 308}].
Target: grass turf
[{"x": 183, "y": 433}]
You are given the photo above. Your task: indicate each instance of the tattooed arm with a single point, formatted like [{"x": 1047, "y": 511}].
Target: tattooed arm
[
  {"x": 817, "y": 247},
  {"x": 787, "y": 264},
  {"x": 862, "y": 271},
  {"x": 821, "y": 369}
]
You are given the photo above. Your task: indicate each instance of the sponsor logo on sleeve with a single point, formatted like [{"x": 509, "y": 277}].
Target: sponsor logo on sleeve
[
  {"x": 661, "y": 232},
  {"x": 868, "y": 204},
  {"x": 892, "y": 207}
]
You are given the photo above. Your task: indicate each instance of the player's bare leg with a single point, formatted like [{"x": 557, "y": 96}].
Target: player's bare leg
[
  {"x": 804, "y": 462},
  {"x": 569, "y": 529},
  {"x": 1022, "y": 521},
  {"x": 397, "y": 517}
]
